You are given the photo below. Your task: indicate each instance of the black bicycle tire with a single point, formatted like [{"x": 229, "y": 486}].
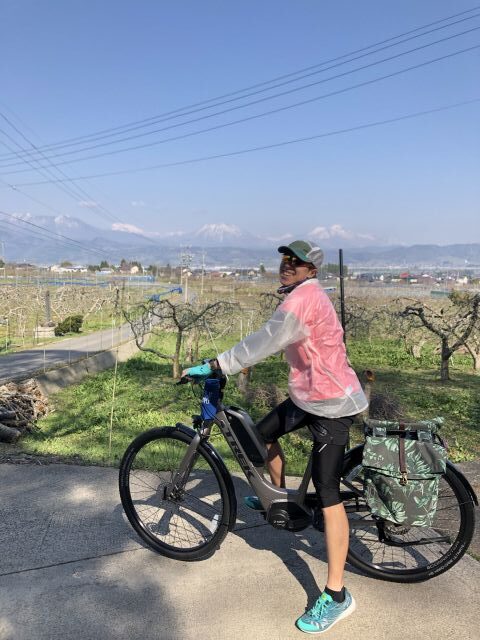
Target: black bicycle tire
[
  {"x": 199, "y": 552},
  {"x": 453, "y": 555}
]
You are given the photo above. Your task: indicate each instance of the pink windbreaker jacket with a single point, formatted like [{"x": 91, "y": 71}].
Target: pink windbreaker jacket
[{"x": 306, "y": 327}]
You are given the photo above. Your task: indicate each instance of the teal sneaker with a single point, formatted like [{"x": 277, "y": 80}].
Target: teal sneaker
[
  {"x": 254, "y": 503},
  {"x": 325, "y": 613}
]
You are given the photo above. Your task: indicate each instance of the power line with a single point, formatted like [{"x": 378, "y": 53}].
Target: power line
[
  {"x": 67, "y": 179},
  {"x": 35, "y": 234},
  {"x": 46, "y": 233},
  {"x": 276, "y": 145},
  {"x": 272, "y": 111},
  {"x": 69, "y": 191},
  {"x": 178, "y": 112},
  {"x": 36, "y": 200},
  {"x": 251, "y": 103}
]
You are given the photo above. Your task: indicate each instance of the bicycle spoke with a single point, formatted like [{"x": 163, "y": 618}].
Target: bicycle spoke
[
  {"x": 407, "y": 549},
  {"x": 184, "y": 516}
]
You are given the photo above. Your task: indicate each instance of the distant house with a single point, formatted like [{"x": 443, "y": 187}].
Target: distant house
[
  {"x": 408, "y": 278},
  {"x": 56, "y": 268},
  {"x": 427, "y": 279}
]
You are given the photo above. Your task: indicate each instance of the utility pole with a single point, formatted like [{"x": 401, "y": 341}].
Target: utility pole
[
  {"x": 342, "y": 293},
  {"x": 2, "y": 243},
  {"x": 186, "y": 260},
  {"x": 203, "y": 271}
]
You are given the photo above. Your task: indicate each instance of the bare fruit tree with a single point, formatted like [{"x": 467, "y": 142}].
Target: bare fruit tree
[
  {"x": 472, "y": 344},
  {"x": 155, "y": 318},
  {"x": 360, "y": 316},
  {"x": 414, "y": 337},
  {"x": 452, "y": 323}
]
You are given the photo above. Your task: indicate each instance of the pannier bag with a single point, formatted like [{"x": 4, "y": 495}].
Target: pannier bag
[{"x": 402, "y": 466}]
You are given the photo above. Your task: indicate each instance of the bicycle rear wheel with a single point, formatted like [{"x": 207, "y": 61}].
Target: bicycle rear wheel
[
  {"x": 186, "y": 521},
  {"x": 410, "y": 554}
]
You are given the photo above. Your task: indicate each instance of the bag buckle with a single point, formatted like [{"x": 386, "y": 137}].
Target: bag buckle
[{"x": 423, "y": 435}]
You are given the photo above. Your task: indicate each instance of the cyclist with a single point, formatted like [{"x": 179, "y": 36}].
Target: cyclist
[{"x": 324, "y": 395}]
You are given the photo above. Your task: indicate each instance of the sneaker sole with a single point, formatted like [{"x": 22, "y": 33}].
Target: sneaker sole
[{"x": 345, "y": 614}]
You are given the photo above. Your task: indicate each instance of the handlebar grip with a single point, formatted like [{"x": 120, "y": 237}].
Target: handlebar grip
[{"x": 184, "y": 380}]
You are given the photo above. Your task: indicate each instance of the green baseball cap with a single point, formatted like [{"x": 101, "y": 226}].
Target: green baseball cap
[{"x": 305, "y": 251}]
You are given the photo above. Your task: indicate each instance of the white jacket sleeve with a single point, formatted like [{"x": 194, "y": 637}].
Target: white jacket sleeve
[{"x": 282, "y": 329}]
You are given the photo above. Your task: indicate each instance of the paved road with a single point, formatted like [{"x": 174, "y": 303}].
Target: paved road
[
  {"x": 71, "y": 567},
  {"x": 25, "y": 363}
]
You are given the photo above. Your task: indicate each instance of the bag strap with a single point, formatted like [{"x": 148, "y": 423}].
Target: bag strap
[{"x": 401, "y": 455}]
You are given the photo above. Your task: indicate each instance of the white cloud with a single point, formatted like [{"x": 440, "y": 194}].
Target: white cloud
[
  {"x": 320, "y": 233},
  {"x": 338, "y": 230},
  {"x": 88, "y": 204},
  {"x": 128, "y": 228},
  {"x": 138, "y": 203},
  {"x": 286, "y": 236},
  {"x": 334, "y": 231},
  {"x": 165, "y": 234},
  {"x": 22, "y": 216}
]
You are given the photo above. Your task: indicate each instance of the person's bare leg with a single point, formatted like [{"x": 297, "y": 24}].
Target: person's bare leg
[
  {"x": 276, "y": 464},
  {"x": 336, "y": 540}
]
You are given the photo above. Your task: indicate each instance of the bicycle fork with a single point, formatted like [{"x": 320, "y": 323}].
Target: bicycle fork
[{"x": 175, "y": 488}]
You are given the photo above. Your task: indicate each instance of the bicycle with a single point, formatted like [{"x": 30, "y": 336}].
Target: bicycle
[{"x": 179, "y": 497}]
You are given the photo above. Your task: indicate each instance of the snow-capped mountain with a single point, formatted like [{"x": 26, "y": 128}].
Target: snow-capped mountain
[
  {"x": 218, "y": 232},
  {"x": 212, "y": 244},
  {"x": 225, "y": 235},
  {"x": 336, "y": 237}
]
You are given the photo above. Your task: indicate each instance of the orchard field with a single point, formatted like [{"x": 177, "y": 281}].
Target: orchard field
[
  {"x": 94, "y": 421},
  {"x": 23, "y": 307}
]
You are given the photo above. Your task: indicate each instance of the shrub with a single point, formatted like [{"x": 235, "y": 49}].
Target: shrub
[{"x": 71, "y": 324}]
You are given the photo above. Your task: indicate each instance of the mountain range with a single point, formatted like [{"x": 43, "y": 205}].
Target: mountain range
[{"x": 29, "y": 239}]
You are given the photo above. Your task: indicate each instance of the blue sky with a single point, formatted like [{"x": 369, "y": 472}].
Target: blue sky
[{"x": 73, "y": 68}]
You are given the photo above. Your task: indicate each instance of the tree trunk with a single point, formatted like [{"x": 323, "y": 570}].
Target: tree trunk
[
  {"x": 476, "y": 362},
  {"x": 445, "y": 359},
  {"x": 176, "y": 357},
  {"x": 417, "y": 349},
  {"x": 189, "y": 355},
  {"x": 196, "y": 346},
  {"x": 475, "y": 355},
  {"x": 243, "y": 380}
]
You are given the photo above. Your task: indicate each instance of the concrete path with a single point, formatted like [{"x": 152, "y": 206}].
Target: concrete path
[
  {"x": 25, "y": 363},
  {"x": 72, "y": 567}
]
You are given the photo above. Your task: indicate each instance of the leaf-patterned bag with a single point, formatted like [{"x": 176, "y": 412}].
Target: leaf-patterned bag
[{"x": 402, "y": 466}]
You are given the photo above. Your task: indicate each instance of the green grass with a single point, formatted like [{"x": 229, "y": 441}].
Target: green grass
[{"x": 146, "y": 396}]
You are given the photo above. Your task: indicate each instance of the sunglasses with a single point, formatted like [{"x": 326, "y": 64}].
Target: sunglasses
[{"x": 293, "y": 261}]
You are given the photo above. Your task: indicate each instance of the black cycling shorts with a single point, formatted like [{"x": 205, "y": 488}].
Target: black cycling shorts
[{"x": 330, "y": 437}]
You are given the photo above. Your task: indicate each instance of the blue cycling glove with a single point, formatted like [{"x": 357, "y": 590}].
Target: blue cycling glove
[{"x": 200, "y": 371}]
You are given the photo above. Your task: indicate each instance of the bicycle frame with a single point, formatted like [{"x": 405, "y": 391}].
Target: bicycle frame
[{"x": 291, "y": 509}]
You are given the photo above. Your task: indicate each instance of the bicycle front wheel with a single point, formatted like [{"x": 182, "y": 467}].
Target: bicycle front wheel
[
  {"x": 410, "y": 554},
  {"x": 185, "y": 521}
]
